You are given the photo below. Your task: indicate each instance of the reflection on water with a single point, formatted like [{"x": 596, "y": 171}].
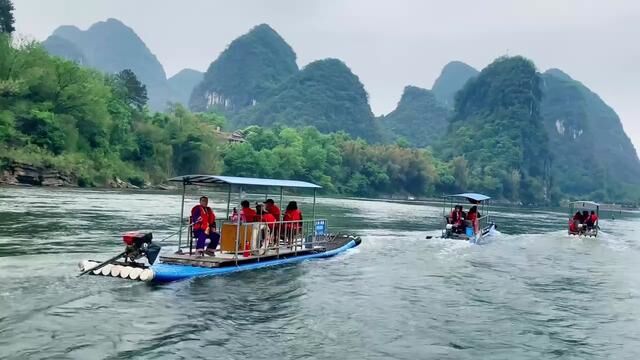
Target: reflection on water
[{"x": 530, "y": 293}]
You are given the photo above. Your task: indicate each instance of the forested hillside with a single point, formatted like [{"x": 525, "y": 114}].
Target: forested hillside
[
  {"x": 55, "y": 113},
  {"x": 326, "y": 95},
  {"x": 246, "y": 72},
  {"x": 592, "y": 155},
  {"x": 337, "y": 162},
  {"x": 419, "y": 118},
  {"x": 508, "y": 131},
  {"x": 498, "y": 129},
  {"x": 94, "y": 128}
]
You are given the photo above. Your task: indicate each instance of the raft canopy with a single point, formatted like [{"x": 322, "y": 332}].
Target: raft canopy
[
  {"x": 584, "y": 203},
  {"x": 471, "y": 197},
  {"x": 235, "y": 180}
]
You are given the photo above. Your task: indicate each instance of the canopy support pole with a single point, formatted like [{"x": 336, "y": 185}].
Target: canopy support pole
[
  {"x": 228, "y": 202},
  {"x": 313, "y": 224},
  {"x": 235, "y": 255},
  {"x": 184, "y": 190},
  {"x": 444, "y": 205},
  {"x": 280, "y": 204}
]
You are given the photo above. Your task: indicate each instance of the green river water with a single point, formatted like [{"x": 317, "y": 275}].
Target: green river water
[{"x": 532, "y": 292}]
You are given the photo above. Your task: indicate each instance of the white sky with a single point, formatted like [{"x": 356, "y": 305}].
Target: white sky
[{"x": 388, "y": 44}]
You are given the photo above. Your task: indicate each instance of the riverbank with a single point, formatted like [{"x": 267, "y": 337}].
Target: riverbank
[{"x": 21, "y": 174}]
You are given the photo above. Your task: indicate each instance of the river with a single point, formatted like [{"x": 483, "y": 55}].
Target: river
[{"x": 532, "y": 292}]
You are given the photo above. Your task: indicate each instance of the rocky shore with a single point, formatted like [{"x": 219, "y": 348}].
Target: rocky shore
[
  {"x": 24, "y": 174},
  {"x": 29, "y": 175}
]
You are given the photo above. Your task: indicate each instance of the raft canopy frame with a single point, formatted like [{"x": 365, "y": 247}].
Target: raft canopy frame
[
  {"x": 583, "y": 205},
  {"x": 230, "y": 181},
  {"x": 472, "y": 198},
  {"x": 205, "y": 180}
]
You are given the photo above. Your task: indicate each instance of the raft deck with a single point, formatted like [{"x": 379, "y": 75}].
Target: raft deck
[{"x": 229, "y": 259}]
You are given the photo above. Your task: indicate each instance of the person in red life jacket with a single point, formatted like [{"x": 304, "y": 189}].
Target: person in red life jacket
[
  {"x": 456, "y": 218},
  {"x": 575, "y": 221},
  {"x": 577, "y": 217},
  {"x": 473, "y": 217},
  {"x": 264, "y": 216},
  {"x": 585, "y": 216},
  {"x": 593, "y": 220},
  {"x": 585, "y": 220},
  {"x": 247, "y": 214},
  {"x": 272, "y": 209},
  {"x": 292, "y": 222},
  {"x": 204, "y": 226}
]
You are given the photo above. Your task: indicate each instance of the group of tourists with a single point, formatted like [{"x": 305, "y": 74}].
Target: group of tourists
[
  {"x": 460, "y": 220},
  {"x": 582, "y": 222},
  {"x": 203, "y": 221}
]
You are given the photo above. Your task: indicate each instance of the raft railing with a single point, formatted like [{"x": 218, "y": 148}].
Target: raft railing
[
  {"x": 484, "y": 221},
  {"x": 263, "y": 238}
]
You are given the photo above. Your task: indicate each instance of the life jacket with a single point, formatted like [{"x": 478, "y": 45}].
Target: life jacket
[
  {"x": 247, "y": 215},
  {"x": 275, "y": 211},
  {"x": 594, "y": 218},
  {"x": 293, "y": 215},
  {"x": 473, "y": 217},
  {"x": 202, "y": 218},
  {"x": 267, "y": 218},
  {"x": 455, "y": 217},
  {"x": 572, "y": 225}
]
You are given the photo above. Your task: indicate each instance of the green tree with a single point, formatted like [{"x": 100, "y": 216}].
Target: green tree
[
  {"x": 6, "y": 17},
  {"x": 133, "y": 90}
]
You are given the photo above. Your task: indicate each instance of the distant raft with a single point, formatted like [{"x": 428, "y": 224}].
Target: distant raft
[
  {"x": 472, "y": 226},
  {"x": 585, "y": 222}
]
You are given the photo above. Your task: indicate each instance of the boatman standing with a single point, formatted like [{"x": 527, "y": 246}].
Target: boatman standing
[{"x": 204, "y": 226}]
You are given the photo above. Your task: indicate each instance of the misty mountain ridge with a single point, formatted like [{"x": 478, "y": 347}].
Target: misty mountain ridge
[
  {"x": 111, "y": 46},
  {"x": 183, "y": 83},
  {"x": 453, "y": 77}
]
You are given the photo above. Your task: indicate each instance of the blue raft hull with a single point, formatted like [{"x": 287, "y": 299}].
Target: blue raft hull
[{"x": 171, "y": 272}]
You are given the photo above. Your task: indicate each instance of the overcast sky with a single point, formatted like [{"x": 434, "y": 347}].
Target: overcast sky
[{"x": 388, "y": 44}]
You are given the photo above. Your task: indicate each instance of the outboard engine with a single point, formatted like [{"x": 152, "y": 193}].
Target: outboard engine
[{"x": 139, "y": 245}]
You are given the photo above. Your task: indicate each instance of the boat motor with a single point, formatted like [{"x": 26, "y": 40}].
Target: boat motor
[{"x": 139, "y": 245}]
